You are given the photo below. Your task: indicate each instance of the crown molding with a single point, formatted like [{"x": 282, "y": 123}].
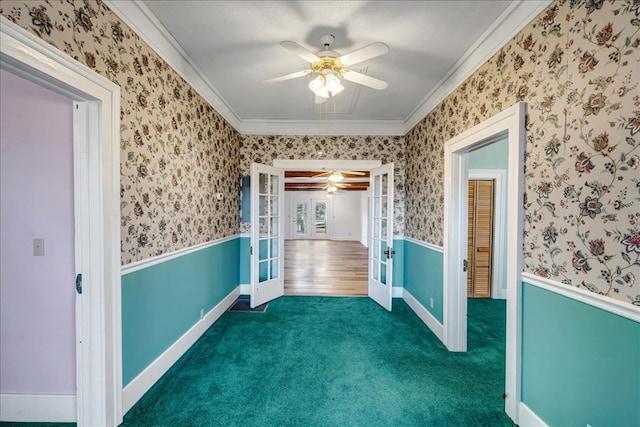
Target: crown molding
[
  {"x": 517, "y": 16},
  {"x": 324, "y": 127},
  {"x": 140, "y": 18}
]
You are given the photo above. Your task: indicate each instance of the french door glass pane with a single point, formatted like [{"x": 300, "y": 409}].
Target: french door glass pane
[
  {"x": 321, "y": 218},
  {"x": 262, "y": 183},
  {"x": 301, "y": 218},
  {"x": 263, "y": 271}
]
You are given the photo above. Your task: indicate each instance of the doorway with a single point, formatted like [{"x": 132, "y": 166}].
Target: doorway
[
  {"x": 97, "y": 217},
  {"x": 310, "y": 219},
  {"x": 508, "y": 124}
]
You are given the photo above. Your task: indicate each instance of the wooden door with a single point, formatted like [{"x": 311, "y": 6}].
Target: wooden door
[{"x": 480, "y": 238}]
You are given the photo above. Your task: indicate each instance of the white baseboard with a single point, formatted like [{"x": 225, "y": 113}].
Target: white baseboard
[
  {"x": 34, "y": 408},
  {"x": 152, "y": 373},
  {"x": 528, "y": 418},
  {"x": 245, "y": 289},
  {"x": 431, "y": 322},
  {"x": 397, "y": 291}
]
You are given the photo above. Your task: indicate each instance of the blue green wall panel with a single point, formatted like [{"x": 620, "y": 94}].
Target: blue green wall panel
[
  {"x": 423, "y": 276},
  {"x": 245, "y": 260},
  {"x": 580, "y": 364},
  {"x": 398, "y": 263},
  {"x": 162, "y": 302}
]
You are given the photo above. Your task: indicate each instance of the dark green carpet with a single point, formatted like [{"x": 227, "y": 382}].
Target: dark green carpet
[
  {"x": 326, "y": 361},
  {"x": 333, "y": 362}
]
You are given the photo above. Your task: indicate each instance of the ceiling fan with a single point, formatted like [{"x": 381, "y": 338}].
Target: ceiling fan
[{"x": 331, "y": 67}]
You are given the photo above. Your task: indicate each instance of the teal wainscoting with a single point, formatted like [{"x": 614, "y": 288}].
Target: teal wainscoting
[
  {"x": 398, "y": 263},
  {"x": 245, "y": 260},
  {"x": 163, "y": 301},
  {"x": 423, "y": 273},
  {"x": 580, "y": 364}
]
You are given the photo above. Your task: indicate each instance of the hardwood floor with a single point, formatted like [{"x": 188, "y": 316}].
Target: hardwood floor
[{"x": 325, "y": 267}]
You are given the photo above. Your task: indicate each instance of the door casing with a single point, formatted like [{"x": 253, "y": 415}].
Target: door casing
[
  {"x": 97, "y": 214},
  {"x": 510, "y": 123}
]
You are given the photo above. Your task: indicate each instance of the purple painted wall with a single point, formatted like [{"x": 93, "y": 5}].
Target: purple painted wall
[{"x": 37, "y": 297}]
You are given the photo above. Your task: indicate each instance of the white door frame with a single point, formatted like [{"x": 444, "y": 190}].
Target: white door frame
[
  {"x": 499, "y": 200},
  {"x": 382, "y": 293},
  {"x": 272, "y": 288},
  {"x": 510, "y": 124},
  {"x": 97, "y": 214}
]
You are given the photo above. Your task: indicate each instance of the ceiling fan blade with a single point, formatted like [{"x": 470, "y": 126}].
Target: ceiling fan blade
[
  {"x": 288, "y": 76},
  {"x": 367, "y": 52},
  {"x": 303, "y": 53},
  {"x": 364, "y": 80}
]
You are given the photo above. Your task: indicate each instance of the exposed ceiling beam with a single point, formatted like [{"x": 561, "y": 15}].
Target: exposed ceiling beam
[{"x": 312, "y": 174}]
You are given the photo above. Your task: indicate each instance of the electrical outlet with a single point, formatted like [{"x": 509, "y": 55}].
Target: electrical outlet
[
  {"x": 201, "y": 313},
  {"x": 431, "y": 302}
]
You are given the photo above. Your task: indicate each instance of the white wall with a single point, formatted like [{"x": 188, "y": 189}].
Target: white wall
[
  {"x": 364, "y": 218},
  {"x": 344, "y": 210},
  {"x": 37, "y": 295},
  {"x": 347, "y": 223}
]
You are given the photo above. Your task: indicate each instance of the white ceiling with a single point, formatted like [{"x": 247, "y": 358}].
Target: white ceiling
[{"x": 231, "y": 46}]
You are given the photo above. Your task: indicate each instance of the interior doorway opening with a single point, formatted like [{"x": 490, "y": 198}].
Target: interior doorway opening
[
  {"x": 510, "y": 124},
  {"x": 326, "y": 235}
]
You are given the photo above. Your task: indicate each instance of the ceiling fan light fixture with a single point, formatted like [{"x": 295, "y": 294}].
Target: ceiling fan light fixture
[
  {"x": 325, "y": 84},
  {"x": 317, "y": 85},
  {"x": 332, "y": 83},
  {"x": 335, "y": 177}
]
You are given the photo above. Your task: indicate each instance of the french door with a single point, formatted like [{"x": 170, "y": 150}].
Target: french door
[
  {"x": 310, "y": 219},
  {"x": 267, "y": 234},
  {"x": 381, "y": 235}
]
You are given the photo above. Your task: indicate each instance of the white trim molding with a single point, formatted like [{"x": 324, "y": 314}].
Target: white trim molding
[
  {"x": 425, "y": 244},
  {"x": 509, "y": 123},
  {"x": 32, "y": 408},
  {"x": 152, "y": 373},
  {"x": 528, "y": 418},
  {"x": 626, "y": 310},
  {"x": 329, "y": 127},
  {"x": 149, "y": 262},
  {"x": 397, "y": 291},
  {"x": 424, "y": 314}
]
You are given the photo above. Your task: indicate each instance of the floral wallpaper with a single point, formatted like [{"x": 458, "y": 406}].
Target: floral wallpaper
[
  {"x": 577, "y": 66},
  {"x": 387, "y": 149},
  {"x": 176, "y": 151}
]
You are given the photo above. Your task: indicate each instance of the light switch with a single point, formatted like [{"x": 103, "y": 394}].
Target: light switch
[{"x": 38, "y": 246}]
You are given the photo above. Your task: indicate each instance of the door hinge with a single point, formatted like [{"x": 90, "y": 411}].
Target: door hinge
[
  {"x": 79, "y": 283},
  {"x": 464, "y": 265},
  {"x": 251, "y": 250},
  {"x": 389, "y": 252}
]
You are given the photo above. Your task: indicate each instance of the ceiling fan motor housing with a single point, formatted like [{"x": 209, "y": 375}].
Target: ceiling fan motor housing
[{"x": 327, "y": 40}]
